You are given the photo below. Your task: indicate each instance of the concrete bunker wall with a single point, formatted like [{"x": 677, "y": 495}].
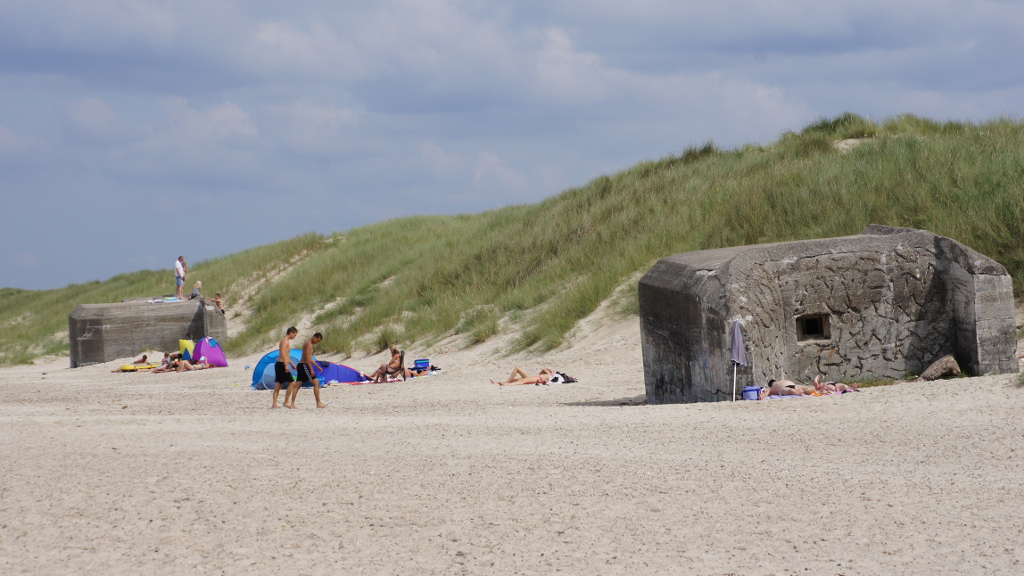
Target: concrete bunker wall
[
  {"x": 880, "y": 304},
  {"x": 104, "y": 332}
]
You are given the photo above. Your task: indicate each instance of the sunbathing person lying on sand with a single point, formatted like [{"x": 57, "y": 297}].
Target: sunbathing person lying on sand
[
  {"x": 140, "y": 361},
  {"x": 832, "y": 387},
  {"x": 785, "y": 388},
  {"x": 180, "y": 366},
  {"x": 521, "y": 378}
]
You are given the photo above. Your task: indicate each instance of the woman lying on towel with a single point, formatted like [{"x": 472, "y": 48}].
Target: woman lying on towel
[
  {"x": 785, "y": 388},
  {"x": 521, "y": 378},
  {"x": 831, "y": 387}
]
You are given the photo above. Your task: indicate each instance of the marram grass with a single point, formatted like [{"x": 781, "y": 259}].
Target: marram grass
[{"x": 538, "y": 269}]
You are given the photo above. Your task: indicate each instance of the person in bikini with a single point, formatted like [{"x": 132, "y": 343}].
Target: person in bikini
[
  {"x": 283, "y": 366},
  {"x": 521, "y": 378},
  {"x": 390, "y": 367},
  {"x": 306, "y": 373},
  {"x": 832, "y": 387},
  {"x": 785, "y": 388}
]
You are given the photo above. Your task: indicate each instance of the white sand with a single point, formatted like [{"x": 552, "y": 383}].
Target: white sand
[{"x": 193, "y": 473}]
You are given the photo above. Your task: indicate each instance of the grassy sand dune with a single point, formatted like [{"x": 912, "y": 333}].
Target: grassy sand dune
[{"x": 537, "y": 270}]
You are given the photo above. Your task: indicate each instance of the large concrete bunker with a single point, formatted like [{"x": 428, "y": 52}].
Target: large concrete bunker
[
  {"x": 880, "y": 304},
  {"x": 104, "y": 332}
]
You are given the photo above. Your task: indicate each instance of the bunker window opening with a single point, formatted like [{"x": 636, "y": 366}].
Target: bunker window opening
[{"x": 813, "y": 327}]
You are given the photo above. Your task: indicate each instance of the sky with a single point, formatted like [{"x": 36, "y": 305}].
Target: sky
[{"x": 132, "y": 132}]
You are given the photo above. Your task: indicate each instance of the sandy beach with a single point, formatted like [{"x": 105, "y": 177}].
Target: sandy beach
[{"x": 195, "y": 474}]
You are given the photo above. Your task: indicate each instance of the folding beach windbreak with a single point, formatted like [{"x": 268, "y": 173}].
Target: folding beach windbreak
[
  {"x": 209, "y": 349},
  {"x": 340, "y": 374},
  {"x": 263, "y": 375},
  {"x": 185, "y": 347}
]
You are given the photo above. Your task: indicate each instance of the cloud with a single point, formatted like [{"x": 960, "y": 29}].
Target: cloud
[
  {"x": 219, "y": 140},
  {"x": 441, "y": 163},
  {"x": 444, "y": 106},
  {"x": 312, "y": 128},
  {"x": 91, "y": 121},
  {"x": 493, "y": 173},
  {"x": 18, "y": 148}
]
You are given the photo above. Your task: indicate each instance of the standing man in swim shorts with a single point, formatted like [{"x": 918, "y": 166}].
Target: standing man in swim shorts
[
  {"x": 283, "y": 366},
  {"x": 307, "y": 373},
  {"x": 179, "y": 278}
]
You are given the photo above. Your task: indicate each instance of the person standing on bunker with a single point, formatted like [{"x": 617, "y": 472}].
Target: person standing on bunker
[
  {"x": 283, "y": 366},
  {"x": 179, "y": 278},
  {"x": 306, "y": 373}
]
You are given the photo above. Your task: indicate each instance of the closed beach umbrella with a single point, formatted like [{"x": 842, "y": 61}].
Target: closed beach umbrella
[{"x": 739, "y": 355}]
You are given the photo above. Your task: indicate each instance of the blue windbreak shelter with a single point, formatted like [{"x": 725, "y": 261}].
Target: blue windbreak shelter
[
  {"x": 340, "y": 374},
  {"x": 263, "y": 375}
]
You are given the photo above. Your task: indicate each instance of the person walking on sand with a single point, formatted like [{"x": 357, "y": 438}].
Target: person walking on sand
[
  {"x": 306, "y": 373},
  {"x": 521, "y": 378},
  {"x": 179, "y": 278},
  {"x": 283, "y": 366}
]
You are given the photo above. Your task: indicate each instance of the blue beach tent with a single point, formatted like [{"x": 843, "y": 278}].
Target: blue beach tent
[{"x": 263, "y": 375}]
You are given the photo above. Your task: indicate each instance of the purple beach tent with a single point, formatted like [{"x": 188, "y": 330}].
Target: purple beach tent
[{"x": 209, "y": 348}]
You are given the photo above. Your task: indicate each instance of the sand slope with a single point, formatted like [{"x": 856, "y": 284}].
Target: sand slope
[{"x": 185, "y": 474}]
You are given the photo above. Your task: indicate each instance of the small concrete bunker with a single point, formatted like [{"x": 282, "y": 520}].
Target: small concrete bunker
[
  {"x": 104, "y": 332},
  {"x": 880, "y": 304}
]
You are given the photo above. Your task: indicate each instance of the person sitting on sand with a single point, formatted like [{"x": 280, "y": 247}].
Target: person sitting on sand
[
  {"x": 785, "y": 388},
  {"x": 832, "y": 387},
  {"x": 521, "y": 378},
  {"x": 142, "y": 360},
  {"x": 391, "y": 367}
]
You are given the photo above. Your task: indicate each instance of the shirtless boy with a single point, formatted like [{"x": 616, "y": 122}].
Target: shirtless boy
[
  {"x": 282, "y": 369},
  {"x": 307, "y": 373}
]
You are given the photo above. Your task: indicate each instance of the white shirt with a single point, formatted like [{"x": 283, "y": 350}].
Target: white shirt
[{"x": 178, "y": 269}]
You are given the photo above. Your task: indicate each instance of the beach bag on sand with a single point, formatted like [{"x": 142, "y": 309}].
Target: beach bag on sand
[{"x": 561, "y": 378}]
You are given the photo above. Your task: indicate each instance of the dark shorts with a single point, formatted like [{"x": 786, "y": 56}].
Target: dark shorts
[
  {"x": 305, "y": 374},
  {"x": 281, "y": 373}
]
